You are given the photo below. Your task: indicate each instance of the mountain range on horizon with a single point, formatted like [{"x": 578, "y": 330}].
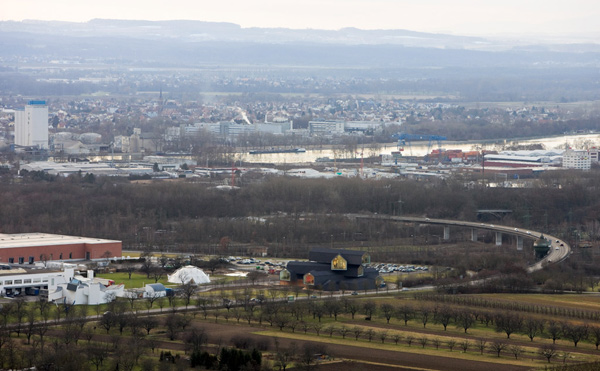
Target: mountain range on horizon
[
  {"x": 473, "y": 68},
  {"x": 200, "y": 31},
  {"x": 348, "y": 51}
]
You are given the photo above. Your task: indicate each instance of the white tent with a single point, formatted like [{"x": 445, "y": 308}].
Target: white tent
[{"x": 187, "y": 274}]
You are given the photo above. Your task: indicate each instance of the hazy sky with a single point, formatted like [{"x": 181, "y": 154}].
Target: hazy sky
[{"x": 474, "y": 17}]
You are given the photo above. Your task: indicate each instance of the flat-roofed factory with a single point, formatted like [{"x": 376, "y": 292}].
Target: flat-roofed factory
[{"x": 29, "y": 248}]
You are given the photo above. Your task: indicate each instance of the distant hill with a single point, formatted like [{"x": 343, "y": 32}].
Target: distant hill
[
  {"x": 191, "y": 43},
  {"x": 197, "y": 31}
]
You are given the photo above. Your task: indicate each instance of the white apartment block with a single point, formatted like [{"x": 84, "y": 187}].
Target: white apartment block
[
  {"x": 31, "y": 125},
  {"x": 326, "y": 127},
  {"x": 577, "y": 159}
]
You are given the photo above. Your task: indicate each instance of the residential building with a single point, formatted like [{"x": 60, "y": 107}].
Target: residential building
[
  {"x": 31, "y": 125},
  {"x": 326, "y": 127},
  {"x": 594, "y": 153},
  {"x": 577, "y": 159}
]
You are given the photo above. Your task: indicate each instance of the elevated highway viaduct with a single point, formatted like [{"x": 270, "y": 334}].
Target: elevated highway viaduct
[{"x": 559, "y": 249}]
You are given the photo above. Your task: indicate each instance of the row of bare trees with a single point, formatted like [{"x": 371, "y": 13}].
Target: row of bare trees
[
  {"x": 185, "y": 214},
  {"x": 293, "y": 316}
]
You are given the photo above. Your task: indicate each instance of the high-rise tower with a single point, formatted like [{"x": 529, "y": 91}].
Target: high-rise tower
[{"x": 31, "y": 125}]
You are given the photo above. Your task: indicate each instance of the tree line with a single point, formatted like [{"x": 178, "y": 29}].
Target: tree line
[{"x": 191, "y": 214}]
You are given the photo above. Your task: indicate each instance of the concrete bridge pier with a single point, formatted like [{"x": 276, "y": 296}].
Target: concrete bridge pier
[
  {"x": 473, "y": 234},
  {"x": 446, "y": 233},
  {"x": 519, "y": 243},
  {"x": 498, "y": 238}
]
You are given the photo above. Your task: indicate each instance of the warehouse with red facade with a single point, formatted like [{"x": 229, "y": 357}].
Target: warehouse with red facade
[{"x": 29, "y": 248}]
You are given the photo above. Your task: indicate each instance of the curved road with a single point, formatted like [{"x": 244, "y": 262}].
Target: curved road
[{"x": 559, "y": 250}]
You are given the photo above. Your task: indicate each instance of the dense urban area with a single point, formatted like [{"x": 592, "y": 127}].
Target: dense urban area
[{"x": 159, "y": 213}]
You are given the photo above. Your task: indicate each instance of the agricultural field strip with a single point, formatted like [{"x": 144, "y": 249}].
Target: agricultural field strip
[
  {"x": 525, "y": 306},
  {"x": 575, "y": 301},
  {"x": 401, "y": 348},
  {"x": 475, "y": 333},
  {"x": 487, "y": 333}
]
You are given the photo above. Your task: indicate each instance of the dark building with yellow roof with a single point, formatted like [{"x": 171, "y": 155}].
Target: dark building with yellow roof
[{"x": 332, "y": 269}]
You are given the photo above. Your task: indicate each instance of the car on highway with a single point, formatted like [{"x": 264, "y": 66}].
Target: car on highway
[{"x": 354, "y": 293}]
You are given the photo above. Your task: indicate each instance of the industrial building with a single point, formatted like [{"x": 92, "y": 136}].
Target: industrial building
[
  {"x": 31, "y": 125},
  {"x": 98, "y": 169},
  {"x": 80, "y": 290},
  {"x": 57, "y": 285},
  {"x": 331, "y": 270},
  {"x": 524, "y": 159},
  {"x": 28, "y": 248},
  {"x": 16, "y": 281}
]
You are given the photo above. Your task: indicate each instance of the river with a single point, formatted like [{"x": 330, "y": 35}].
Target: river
[{"x": 576, "y": 141}]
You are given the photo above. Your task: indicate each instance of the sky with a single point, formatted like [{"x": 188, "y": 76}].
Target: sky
[{"x": 466, "y": 17}]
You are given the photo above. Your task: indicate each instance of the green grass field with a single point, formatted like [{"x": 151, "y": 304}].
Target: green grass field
[{"x": 137, "y": 280}]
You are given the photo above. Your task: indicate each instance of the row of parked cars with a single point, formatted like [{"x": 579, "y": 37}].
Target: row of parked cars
[
  {"x": 252, "y": 261},
  {"x": 390, "y": 268}
]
